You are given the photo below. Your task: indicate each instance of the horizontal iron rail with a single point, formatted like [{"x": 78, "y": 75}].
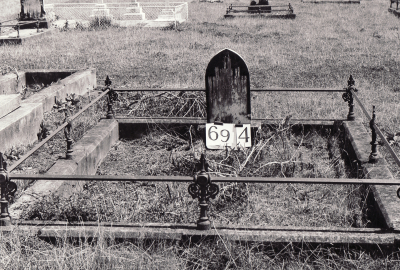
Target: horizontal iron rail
[
  {"x": 202, "y": 121},
  {"x": 333, "y": 181},
  {"x": 19, "y": 23},
  {"x": 259, "y": 6},
  {"x": 277, "y": 89},
  {"x": 257, "y": 10},
  {"x": 24, "y": 157},
  {"x": 378, "y": 131}
]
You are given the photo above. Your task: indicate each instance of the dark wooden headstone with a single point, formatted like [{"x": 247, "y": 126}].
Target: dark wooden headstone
[
  {"x": 32, "y": 10},
  {"x": 228, "y": 89}
]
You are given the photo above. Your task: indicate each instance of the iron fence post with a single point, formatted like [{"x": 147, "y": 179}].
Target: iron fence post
[
  {"x": 111, "y": 97},
  {"x": 37, "y": 26},
  {"x": 17, "y": 30},
  {"x": 68, "y": 138},
  {"x": 373, "y": 157},
  {"x": 203, "y": 189},
  {"x": 348, "y": 97},
  {"x": 0, "y": 28},
  {"x": 7, "y": 188}
]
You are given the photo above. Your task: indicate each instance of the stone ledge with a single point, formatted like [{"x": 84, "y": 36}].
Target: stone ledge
[
  {"x": 385, "y": 196},
  {"x": 9, "y": 103},
  {"x": 87, "y": 156},
  {"x": 77, "y": 82},
  {"x": 21, "y": 126}
]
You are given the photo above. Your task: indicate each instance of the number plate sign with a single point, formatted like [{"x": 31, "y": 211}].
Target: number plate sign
[
  {"x": 227, "y": 135},
  {"x": 243, "y": 136}
]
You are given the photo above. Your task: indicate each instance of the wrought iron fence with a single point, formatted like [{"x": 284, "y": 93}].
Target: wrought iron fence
[
  {"x": 202, "y": 187},
  {"x": 7, "y": 26}
]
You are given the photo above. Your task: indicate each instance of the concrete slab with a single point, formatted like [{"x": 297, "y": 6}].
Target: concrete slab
[
  {"x": 21, "y": 126},
  {"x": 24, "y": 35},
  {"x": 87, "y": 156},
  {"x": 385, "y": 196},
  {"x": 12, "y": 82},
  {"x": 188, "y": 232},
  {"x": 9, "y": 103}
]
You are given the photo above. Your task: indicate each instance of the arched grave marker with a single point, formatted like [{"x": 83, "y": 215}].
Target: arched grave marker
[
  {"x": 228, "y": 89},
  {"x": 228, "y": 101}
]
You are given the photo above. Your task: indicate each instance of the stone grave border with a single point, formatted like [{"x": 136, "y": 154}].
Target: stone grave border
[
  {"x": 202, "y": 187},
  {"x": 22, "y": 124}
]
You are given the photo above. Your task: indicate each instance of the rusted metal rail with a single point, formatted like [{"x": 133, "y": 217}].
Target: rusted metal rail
[
  {"x": 378, "y": 131},
  {"x": 186, "y": 179},
  {"x": 30, "y": 152},
  {"x": 275, "y": 89}
]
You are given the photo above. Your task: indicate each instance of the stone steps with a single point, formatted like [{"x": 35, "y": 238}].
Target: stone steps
[{"x": 20, "y": 120}]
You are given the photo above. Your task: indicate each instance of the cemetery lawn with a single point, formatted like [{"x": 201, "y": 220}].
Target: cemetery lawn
[{"x": 320, "y": 48}]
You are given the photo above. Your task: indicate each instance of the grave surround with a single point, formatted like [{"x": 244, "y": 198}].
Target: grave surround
[
  {"x": 21, "y": 125},
  {"x": 357, "y": 142}
]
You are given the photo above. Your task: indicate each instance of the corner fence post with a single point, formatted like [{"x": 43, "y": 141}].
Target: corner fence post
[
  {"x": 348, "y": 97},
  {"x": 373, "y": 157},
  {"x": 111, "y": 97},
  {"x": 8, "y": 188},
  {"x": 203, "y": 189}
]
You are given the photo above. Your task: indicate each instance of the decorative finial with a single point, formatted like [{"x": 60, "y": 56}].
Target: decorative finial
[
  {"x": 351, "y": 81},
  {"x": 107, "y": 81}
]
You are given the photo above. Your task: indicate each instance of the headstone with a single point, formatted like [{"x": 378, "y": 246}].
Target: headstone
[
  {"x": 228, "y": 102},
  {"x": 228, "y": 89},
  {"x": 32, "y": 10}
]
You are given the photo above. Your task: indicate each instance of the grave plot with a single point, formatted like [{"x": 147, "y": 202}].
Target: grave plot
[
  {"x": 260, "y": 9},
  {"x": 394, "y": 7},
  {"x": 125, "y": 14},
  {"x": 28, "y": 95},
  {"x": 232, "y": 183},
  {"x": 31, "y": 23}
]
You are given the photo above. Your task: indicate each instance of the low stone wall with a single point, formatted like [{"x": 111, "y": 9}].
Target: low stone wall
[
  {"x": 21, "y": 126},
  {"x": 384, "y": 197},
  {"x": 87, "y": 156},
  {"x": 79, "y": 82},
  {"x": 12, "y": 83}
]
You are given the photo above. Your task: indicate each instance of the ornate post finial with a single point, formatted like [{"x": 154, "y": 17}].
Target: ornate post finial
[
  {"x": 107, "y": 82},
  {"x": 203, "y": 189},
  {"x": 112, "y": 97},
  {"x": 348, "y": 97},
  {"x": 373, "y": 157}
]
